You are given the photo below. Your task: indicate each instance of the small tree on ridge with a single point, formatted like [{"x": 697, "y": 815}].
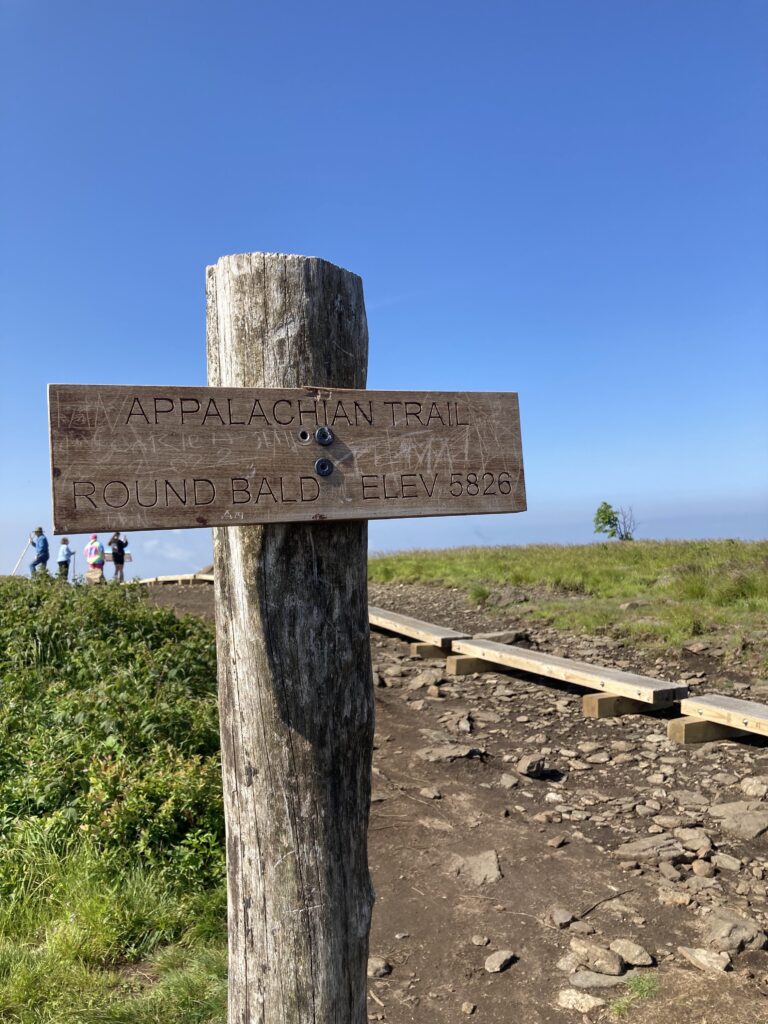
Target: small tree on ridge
[{"x": 615, "y": 523}]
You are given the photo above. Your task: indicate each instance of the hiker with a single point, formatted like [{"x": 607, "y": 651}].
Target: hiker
[
  {"x": 118, "y": 547},
  {"x": 39, "y": 542},
  {"x": 94, "y": 558},
  {"x": 65, "y": 553}
]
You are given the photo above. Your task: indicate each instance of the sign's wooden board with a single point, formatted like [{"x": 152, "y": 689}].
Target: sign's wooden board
[{"x": 153, "y": 458}]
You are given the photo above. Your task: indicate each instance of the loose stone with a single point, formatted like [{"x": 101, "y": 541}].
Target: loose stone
[
  {"x": 500, "y": 961},
  {"x": 531, "y": 765},
  {"x": 705, "y": 959},
  {"x": 582, "y": 1002},
  {"x": 590, "y": 979},
  {"x": 559, "y": 917},
  {"x": 378, "y": 967},
  {"x": 632, "y": 953},
  {"x": 603, "y": 961}
]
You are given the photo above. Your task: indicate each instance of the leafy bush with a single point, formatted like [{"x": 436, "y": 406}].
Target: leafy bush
[
  {"x": 112, "y": 895},
  {"x": 109, "y": 727}
]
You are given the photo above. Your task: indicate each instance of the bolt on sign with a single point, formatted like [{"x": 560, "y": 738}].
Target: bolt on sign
[{"x": 171, "y": 457}]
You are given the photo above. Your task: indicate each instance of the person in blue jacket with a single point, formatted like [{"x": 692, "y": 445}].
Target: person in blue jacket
[
  {"x": 65, "y": 553},
  {"x": 40, "y": 543}
]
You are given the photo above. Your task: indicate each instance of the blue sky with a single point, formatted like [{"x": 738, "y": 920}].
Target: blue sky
[{"x": 565, "y": 198}]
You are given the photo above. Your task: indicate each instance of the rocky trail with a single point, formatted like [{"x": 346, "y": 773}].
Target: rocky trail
[{"x": 534, "y": 865}]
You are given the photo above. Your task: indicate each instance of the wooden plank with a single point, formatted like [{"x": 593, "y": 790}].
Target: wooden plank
[
  {"x": 404, "y": 625},
  {"x": 181, "y": 578},
  {"x": 696, "y": 730},
  {"x": 184, "y": 577},
  {"x": 178, "y": 578},
  {"x": 171, "y": 457},
  {"x": 422, "y": 650},
  {"x": 623, "y": 684},
  {"x": 745, "y": 715},
  {"x": 608, "y": 705},
  {"x": 460, "y": 665}
]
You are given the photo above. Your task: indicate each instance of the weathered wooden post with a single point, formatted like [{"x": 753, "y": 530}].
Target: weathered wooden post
[
  {"x": 287, "y": 456},
  {"x": 295, "y": 685}
]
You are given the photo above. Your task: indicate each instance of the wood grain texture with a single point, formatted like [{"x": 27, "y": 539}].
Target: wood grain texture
[
  {"x": 608, "y": 705},
  {"x": 739, "y": 714},
  {"x": 623, "y": 684},
  {"x": 405, "y": 625},
  {"x": 295, "y": 680},
  {"x": 697, "y": 730},
  {"x": 170, "y": 457}
]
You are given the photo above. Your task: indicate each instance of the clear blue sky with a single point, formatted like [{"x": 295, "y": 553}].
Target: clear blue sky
[{"x": 566, "y": 198}]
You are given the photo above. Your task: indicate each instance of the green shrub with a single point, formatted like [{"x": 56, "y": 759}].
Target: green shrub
[
  {"x": 109, "y": 726},
  {"x": 111, "y": 822}
]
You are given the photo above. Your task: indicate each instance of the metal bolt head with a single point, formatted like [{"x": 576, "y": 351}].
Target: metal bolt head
[
  {"x": 323, "y": 467},
  {"x": 324, "y": 436}
]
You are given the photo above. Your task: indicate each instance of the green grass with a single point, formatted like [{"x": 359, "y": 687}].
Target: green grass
[
  {"x": 112, "y": 895},
  {"x": 645, "y": 986},
  {"x": 83, "y": 940},
  {"x": 682, "y": 589}
]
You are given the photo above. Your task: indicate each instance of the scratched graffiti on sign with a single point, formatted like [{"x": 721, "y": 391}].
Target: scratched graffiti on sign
[{"x": 168, "y": 457}]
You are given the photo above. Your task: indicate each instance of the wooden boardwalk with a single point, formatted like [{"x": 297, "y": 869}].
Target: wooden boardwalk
[
  {"x": 706, "y": 717},
  {"x": 655, "y": 692}
]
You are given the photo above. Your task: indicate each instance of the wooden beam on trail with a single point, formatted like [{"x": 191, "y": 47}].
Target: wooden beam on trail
[
  {"x": 696, "y": 730},
  {"x": 422, "y": 650},
  {"x": 608, "y": 705},
  {"x": 744, "y": 715},
  {"x": 415, "y": 629},
  {"x": 184, "y": 577},
  {"x": 655, "y": 692}
]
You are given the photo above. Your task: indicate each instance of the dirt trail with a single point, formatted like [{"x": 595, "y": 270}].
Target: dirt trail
[{"x": 464, "y": 848}]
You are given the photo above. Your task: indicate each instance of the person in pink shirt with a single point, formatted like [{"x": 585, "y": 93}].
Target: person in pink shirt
[{"x": 94, "y": 558}]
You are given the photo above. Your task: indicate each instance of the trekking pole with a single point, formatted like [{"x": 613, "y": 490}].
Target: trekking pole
[{"x": 15, "y": 568}]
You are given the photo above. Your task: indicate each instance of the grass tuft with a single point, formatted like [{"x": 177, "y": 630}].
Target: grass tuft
[{"x": 646, "y": 986}]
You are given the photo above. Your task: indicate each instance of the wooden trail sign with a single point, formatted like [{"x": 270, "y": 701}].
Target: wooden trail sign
[
  {"x": 292, "y": 638},
  {"x": 153, "y": 458}
]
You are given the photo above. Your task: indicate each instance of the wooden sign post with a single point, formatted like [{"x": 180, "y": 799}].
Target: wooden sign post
[{"x": 275, "y": 443}]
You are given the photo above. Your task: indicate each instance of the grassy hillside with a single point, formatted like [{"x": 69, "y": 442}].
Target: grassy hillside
[
  {"x": 678, "y": 589},
  {"x": 112, "y": 900}
]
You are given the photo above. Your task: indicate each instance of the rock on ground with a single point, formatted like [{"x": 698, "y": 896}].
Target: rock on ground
[
  {"x": 378, "y": 967},
  {"x": 571, "y": 999},
  {"x": 482, "y": 869},
  {"x": 632, "y": 953},
  {"x": 746, "y": 819},
  {"x": 657, "y": 849},
  {"x": 705, "y": 959},
  {"x": 590, "y": 979},
  {"x": 594, "y": 956},
  {"x": 500, "y": 961},
  {"x": 728, "y": 932}
]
